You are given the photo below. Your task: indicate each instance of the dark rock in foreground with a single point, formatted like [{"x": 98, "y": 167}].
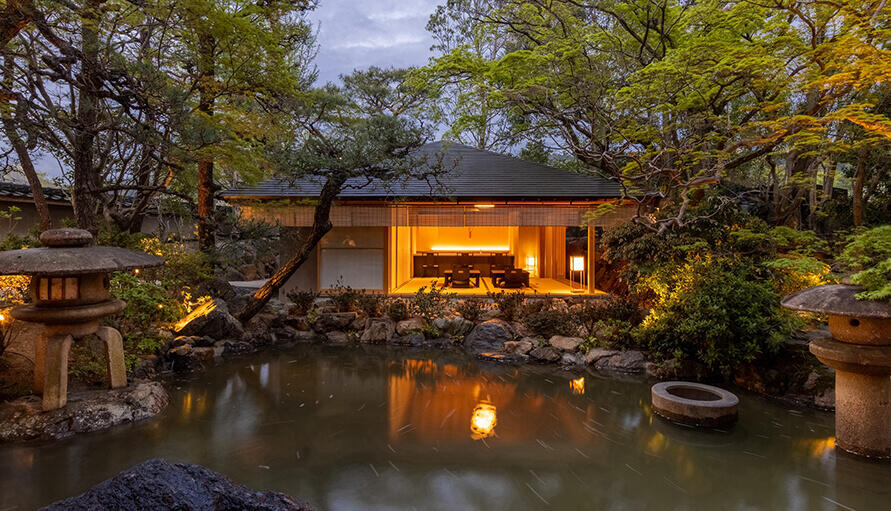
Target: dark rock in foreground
[
  {"x": 159, "y": 485},
  {"x": 87, "y": 410}
]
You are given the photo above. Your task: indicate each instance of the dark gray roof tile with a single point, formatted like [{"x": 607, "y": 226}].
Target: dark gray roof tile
[{"x": 474, "y": 174}]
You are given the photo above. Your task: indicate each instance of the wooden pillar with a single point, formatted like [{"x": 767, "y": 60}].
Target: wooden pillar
[
  {"x": 590, "y": 263},
  {"x": 114, "y": 356}
]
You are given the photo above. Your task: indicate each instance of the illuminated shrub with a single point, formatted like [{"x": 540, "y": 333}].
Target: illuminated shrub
[{"x": 714, "y": 312}]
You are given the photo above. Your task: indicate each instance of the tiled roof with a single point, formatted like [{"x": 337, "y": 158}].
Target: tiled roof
[
  {"x": 20, "y": 191},
  {"x": 474, "y": 175}
]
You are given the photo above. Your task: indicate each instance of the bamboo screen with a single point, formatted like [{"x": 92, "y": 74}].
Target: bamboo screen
[{"x": 434, "y": 215}]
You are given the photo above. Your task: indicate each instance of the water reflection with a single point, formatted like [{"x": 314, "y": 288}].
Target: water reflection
[
  {"x": 577, "y": 385},
  {"x": 380, "y": 429},
  {"x": 483, "y": 421}
]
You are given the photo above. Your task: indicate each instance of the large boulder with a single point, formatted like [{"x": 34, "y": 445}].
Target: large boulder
[
  {"x": 158, "y": 485},
  {"x": 329, "y": 321},
  {"x": 565, "y": 343},
  {"x": 594, "y": 355},
  {"x": 86, "y": 411},
  {"x": 378, "y": 330},
  {"x": 624, "y": 361},
  {"x": 337, "y": 337},
  {"x": 546, "y": 354},
  {"x": 212, "y": 319},
  {"x": 411, "y": 325},
  {"x": 455, "y": 326},
  {"x": 489, "y": 336},
  {"x": 521, "y": 347}
]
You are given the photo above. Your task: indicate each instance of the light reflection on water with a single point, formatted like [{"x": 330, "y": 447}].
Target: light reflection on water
[{"x": 371, "y": 428}]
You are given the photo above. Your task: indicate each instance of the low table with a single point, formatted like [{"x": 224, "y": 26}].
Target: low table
[{"x": 474, "y": 274}]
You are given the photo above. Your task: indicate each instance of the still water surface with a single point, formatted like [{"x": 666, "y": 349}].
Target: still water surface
[{"x": 373, "y": 428}]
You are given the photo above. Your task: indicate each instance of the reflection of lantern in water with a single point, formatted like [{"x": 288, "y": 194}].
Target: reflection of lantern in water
[
  {"x": 483, "y": 420},
  {"x": 577, "y": 385}
]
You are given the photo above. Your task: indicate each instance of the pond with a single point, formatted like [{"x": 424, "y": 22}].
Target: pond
[{"x": 382, "y": 428}]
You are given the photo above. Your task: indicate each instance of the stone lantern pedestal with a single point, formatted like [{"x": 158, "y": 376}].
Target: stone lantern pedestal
[
  {"x": 860, "y": 352},
  {"x": 69, "y": 289}
]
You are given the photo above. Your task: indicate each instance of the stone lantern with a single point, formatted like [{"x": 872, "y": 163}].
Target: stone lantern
[
  {"x": 860, "y": 352},
  {"x": 69, "y": 290}
]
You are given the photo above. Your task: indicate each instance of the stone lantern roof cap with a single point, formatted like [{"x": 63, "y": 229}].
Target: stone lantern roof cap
[
  {"x": 71, "y": 252},
  {"x": 836, "y": 299}
]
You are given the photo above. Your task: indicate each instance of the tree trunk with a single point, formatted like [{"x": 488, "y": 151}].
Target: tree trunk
[
  {"x": 21, "y": 150},
  {"x": 205, "y": 183},
  {"x": 320, "y": 226},
  {"x": 86, "y": 177},
  {"x": 857, "y": 192}
]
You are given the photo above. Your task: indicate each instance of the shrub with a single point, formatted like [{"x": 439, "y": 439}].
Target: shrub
[
  {"x": 510, "y": 304},
  {"x": 344, "y": 298},
  {"x": 613, "y": 334},
  {"x": 715, "y": 313},
  {"x": 546, "y": 320},
  {"x": 588, "y": 313},
  {"x": 471, "y": 308},
  {"x": 397, "y": 309},
  {"x": 147, "y": 302},
  {"x": 431, "y": 304},
  {"x": 303, "y": 299},
  {"x": 370, "y": 304}
]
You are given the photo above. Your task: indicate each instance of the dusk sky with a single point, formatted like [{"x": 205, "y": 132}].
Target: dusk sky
[{"x": 362, "y": 33}]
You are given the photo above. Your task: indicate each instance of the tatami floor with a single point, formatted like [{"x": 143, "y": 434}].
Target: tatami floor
[{"x": 536, "y": 286}]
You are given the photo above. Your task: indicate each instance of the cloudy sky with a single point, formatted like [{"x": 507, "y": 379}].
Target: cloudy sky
[{"x": 362, "y": 33}]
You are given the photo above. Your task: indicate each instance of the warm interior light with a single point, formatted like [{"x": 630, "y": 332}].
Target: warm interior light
[
  {"x": 577, "y": 385},
  {"x": 136, "y": 271},
  {"x": 457, "y": 248},
  {"x": 577, "y": 263},
  {"x": 2, "y": 317},
  {"x": 483, "y": 420},
  {"x": 484, "y": 206}
]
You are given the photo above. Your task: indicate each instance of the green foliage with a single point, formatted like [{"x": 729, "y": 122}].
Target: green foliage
[
  {"x": 588, "y": 313},
  {"x": 304, "y": 300},
  {"x": 869, "y": 254},
  {"x": 875, "y": 281},
  {"x": 715, "y": 312},
  {"x": 471, "y": 308},
  {"x": 148, "y": 303},
  {"x": 431, "y": 304},
  {"x": 612, "y": 334},
  {"x": 344, "y": 298},
  {"x": 86, "y": 364},
  {"x": 546, "y": 319},
  {"x": 16, "y": 242},
  {"x": 370, "y": 304},
  {"x": 866, "y": 249},
  {"x": 397, "y": 309},
  {"x": 509, "y": 303}
]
